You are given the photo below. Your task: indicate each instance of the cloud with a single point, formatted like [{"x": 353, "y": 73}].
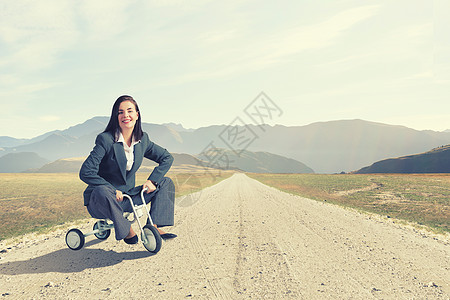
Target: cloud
[
  {"x": 24, "y": 91},
  {"x": 101, "y": 21},
  {"x": 49, "y": 118},
  {"x": 177, "y": 3},
  {"x": 316, "y": 36},
  {"x": 229, "y": 52},
  {"x": 218, "y": 35},
  {"x": 34, "y": 33},
  {"x": 35, "y": 37}
]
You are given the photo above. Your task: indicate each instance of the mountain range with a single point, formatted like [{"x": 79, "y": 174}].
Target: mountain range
[
  {"x": 325, "y": 147},
  {"x": 434, "y": 161},
  {"x": 260, "y": 162},
  {"x": 17, "y": 162},
  {"x": 257, "y": 162}
]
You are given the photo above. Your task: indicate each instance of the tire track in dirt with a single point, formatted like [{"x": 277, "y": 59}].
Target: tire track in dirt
[
  {"x": 214, "y": 281},
  {"x": 365, "y": 251},
  {"x": 205, "y": 215},
  {"x": 259, "y": 254},
  {"x": 240, "y": 252},
  {"x": 322, "y": 248},
  {"x": 371, "y": 187}
]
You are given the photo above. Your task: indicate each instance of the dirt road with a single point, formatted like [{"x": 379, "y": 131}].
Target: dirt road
[{"x": 241, "y": 240}]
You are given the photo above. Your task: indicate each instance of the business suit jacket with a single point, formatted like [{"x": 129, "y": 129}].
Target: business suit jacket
[{"x": 106, "y": 164}]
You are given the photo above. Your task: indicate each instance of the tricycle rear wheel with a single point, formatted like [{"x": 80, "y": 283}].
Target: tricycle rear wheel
[
  {"x": 104, "y": 234},
  {"x": 75, "y": 239}
]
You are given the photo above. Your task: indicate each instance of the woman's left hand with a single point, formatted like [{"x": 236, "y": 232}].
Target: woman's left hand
[{"x": 149, "y": 185}]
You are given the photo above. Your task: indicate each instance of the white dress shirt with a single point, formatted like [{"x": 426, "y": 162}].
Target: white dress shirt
[{"x": 129, "y": 150}]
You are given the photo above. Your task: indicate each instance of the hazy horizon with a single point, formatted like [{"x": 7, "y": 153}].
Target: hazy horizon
[
  {"x": 203, "y": 62},
  {"x": 190, "y": 128}
]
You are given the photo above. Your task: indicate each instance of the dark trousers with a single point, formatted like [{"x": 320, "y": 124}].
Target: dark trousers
[{"x": 103, "y": 205}]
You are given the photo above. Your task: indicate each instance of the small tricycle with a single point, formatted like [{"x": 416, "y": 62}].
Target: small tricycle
[{"x": 150, "y": 236}]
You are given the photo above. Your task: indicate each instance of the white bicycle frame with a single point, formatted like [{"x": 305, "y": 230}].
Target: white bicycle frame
[
  {"x": 137, "y": 211},
  {"x": 150, "y": 236}
]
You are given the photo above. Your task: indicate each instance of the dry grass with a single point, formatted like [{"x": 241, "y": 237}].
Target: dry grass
[
  {"x": 419, "y": 198},
  {"x": 37, "y": 202}
]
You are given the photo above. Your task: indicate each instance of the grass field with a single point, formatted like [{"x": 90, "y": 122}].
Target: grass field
[
  {"x": 36, "y": 202},
  {"x": 417, "y": 198}
]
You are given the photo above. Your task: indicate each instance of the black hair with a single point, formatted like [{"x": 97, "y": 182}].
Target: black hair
[{"x": 113, "y": 126}]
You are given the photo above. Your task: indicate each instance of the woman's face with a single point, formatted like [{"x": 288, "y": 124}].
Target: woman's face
[{"x": 127, "y": 116}]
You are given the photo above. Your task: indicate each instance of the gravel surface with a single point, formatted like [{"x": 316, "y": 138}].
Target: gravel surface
[{"x": 239, "y": 239}]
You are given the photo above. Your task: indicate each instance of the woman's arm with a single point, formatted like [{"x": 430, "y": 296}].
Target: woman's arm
[
  {"x": 161, "y": 156},
  {"x": 89, "y": 169}
]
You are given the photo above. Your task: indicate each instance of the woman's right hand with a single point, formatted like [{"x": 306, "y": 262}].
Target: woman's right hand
[{"x": 119, "y": 196}]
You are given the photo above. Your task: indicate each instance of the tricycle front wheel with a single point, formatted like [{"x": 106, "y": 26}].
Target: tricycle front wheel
[{"x": 151, "y": 239}]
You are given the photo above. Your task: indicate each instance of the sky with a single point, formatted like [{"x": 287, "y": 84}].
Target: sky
[{"x": 201, "y": 63}]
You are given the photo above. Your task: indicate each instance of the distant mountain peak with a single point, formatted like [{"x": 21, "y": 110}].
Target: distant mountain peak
[
  {"x": 359, "y": 122},
  {"x": 436, "y": 160},
  {"x": 258, "y": 161},
  {"x": 19, "y": 162},
  {"x": 97, "y": 124},
  {"x": 177, "y": 127}
]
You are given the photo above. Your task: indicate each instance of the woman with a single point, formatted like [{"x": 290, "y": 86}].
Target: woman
[{"x": 110, "y": 171}]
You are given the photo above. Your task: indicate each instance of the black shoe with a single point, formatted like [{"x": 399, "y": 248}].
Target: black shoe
[
  {"x": 168, "y": 236},
  {"x": 132, "y": 240}
]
